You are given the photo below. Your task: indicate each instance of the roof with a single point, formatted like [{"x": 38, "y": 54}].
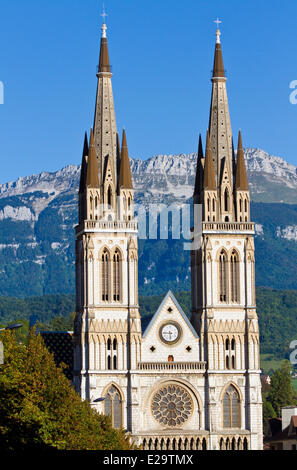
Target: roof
[
  {"x": 61, "y": 345},
  {"x": 125, "y": 179},
  {"x": 83, "y": 172},
  {"x": 179, "y": 308},
  {"x": 199, "y": 169},
  {"x": 241, "y": 181},
  {"x": 104, "y": 65},
  {"x": 218, "y": 67},
  {"x": 209, "y": 180},
  {"x": 277, "y": 434},
  {"x": 92, "y": 178}
]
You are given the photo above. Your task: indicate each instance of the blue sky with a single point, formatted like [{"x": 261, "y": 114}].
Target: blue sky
[{"x": 162, "y": 55}]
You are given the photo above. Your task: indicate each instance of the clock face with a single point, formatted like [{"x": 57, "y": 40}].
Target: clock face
[{"x": 170, "y": 333}]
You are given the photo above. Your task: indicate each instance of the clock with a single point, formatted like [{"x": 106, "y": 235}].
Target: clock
[{"x": 170, "y": 333}]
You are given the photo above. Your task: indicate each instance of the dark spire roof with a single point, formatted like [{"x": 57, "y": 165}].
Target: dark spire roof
[
  {"x": 83, "y": 171},
  {"x": 125, "y": 180},
  {"x": 199, "y": 169},
  {"x": 209, "y": 181},
  {"x": 241, "y": 182},
  {"x": 92, "y": 179},
  {"x": 118, "y": 156},
  {"x": 104, "y": 65},
  {"x": 218, "y": 66}
]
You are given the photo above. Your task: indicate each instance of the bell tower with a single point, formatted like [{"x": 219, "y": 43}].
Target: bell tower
[
  {"x": 223, "y": 279},
  {"x": 107, "y": 324}
]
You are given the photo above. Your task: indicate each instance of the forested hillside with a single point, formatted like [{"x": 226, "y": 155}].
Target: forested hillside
[{"x": 277, "y": 310}]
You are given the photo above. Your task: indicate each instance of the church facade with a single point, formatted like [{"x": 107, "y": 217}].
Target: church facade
[{"x": 180, "y": 383}]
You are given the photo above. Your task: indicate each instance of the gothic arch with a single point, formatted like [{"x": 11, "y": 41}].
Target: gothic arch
[
  {"x": 233, "y": 384},
  {"x": 113, "y": 404},
  {"x": 234, "y": 268},
  {"x": 231, "y": 250},
  {"x": 232, "y": 416},
  {"x": 223, "y": 274},
  {"x": 117, "y": 275}
]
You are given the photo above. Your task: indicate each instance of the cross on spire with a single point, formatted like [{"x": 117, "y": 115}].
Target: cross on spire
[
  {"x": 218, "y": 33},
  {"x": 103, "y": 14},
  {"x": 218, "y": 22},
  {"x": 103, "y": 28}
]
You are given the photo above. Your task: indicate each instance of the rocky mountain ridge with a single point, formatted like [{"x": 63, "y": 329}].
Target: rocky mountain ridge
[{"x": 38, "y": 214}]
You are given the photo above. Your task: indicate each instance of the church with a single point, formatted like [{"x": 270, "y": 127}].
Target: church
[{"x": 180, "y": 384}]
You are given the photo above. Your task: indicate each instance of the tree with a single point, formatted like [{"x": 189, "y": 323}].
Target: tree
[
  {"x": 40, "y": 409},
  {"x": 281, "y": 389},
  {"x": 268, "y": 413}
]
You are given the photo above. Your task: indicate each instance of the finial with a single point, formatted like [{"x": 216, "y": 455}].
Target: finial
[
  {"x": 103, "y": 28},
  {"x": 218, "y": 32}
]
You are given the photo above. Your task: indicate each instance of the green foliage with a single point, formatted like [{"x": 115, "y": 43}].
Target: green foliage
[
  {"x": 35, "y": 266},
  {"x": 44, "y": 307},
  {"x": 268, "y": 413},
  {"x": 277, "y": 312},
  {"x": 39, "y": 408},
  {"x": 281, "y": 391}
]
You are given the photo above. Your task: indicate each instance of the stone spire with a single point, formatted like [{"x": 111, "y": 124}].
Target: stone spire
[
  {"x": 104, "y": 65},
  {"x": 219, "y": 122},
  {"x": 209, "y": 182},
  {"x": 92, "y": 180},
  {"x": 83, "y": 171},
  {"x": 125, "y": 179},
  {"x": 218, "y": 66},
  {"x": 241, "y": 181},
  {"x": 199, "y": 170},
  {"x": 105, "y": 130}
]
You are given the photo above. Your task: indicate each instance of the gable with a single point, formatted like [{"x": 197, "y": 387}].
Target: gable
[
  {"x": 169, "y": 297},
  {"x": 170, "y": 336}
]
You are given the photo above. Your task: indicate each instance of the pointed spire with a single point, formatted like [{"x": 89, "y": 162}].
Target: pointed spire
[
  {"x": 92, "y": 179},
  {"x": 118, "y": 155},
  {"x": 199, "y": 169},
  {"x": 83, "y": 171},
  {"x": 209, "y": 181},
  {"x": 218, "y": 66},
  {"x": 104, "y": 65},
  {"x": 241, "y": 182},
  {"x": 125, "y": 179}
]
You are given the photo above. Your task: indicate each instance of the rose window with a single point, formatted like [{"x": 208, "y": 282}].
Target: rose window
[{"x": 172, "y": 406}]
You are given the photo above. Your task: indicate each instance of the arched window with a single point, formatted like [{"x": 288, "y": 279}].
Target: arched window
[
  {"x": 223, "y": 276},
  {"x": 245, "y": 205},
  {"x": 115, "y": 354},
  {"x": 227, "y": 354},
  {"x": 234, "y": 271},
  {"x": 116, "y": 276},
  {"x": 213, "y": 205},
  {"x": 113, "y": 406},
  {"x": 226, "y": 200},
  {"x": 230, "y": 353},
  {"x": 109, "y": 196},
  {"x": 105, "y": 275},
  {"x": 112, "y": 354},
  {"x": 231, "y": 408}
]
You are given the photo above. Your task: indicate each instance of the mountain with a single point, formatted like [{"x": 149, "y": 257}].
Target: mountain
[{"x": 38, "y": 214}]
